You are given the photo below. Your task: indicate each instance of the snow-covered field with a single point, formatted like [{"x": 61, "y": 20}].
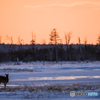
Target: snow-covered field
[{"x": 50, "y": 81}]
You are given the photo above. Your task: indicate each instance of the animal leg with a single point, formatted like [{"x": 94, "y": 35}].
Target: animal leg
[{"x": 5, "y": 85}]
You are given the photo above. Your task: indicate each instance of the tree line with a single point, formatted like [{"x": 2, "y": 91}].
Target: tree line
[{"x": 55, "y": 52}]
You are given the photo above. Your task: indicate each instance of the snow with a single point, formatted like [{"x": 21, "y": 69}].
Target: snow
[{"x": 45, "y": 74}]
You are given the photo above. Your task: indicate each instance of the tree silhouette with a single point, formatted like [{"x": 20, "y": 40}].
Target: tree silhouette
[
  {"x": 9, "y": 38},
  {"x": 33, "y": 39},
  {"x": 85, "y": 46},
  {"x": 68, "y": 37},
  {"x": 79, "y": 40},
  {"x": 85, "y": 40},
  {"x": 0, "y": 39},
  {"x": 98, "y": 39},
  {"x": 79, "y": 53},
  {"x": 20, "y": 42},
  {"x": 54, "y": 37}
]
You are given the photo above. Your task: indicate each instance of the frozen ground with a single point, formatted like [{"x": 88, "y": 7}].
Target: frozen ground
[{"x": 50, "y": 81}]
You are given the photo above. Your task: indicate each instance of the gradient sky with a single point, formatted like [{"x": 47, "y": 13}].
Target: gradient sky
[{"x": 22, "y": 17}]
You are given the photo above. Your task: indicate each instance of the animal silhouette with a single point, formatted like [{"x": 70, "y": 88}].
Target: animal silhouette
[{"x": 4, "y": 80}]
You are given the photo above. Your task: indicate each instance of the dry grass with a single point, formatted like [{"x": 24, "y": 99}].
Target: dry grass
[
  {"x": 18, "y": 88},
  {"x": 49, "y": 90},
  {"x": 58, "y": 87},
  {"x": 10, "y": 69}
]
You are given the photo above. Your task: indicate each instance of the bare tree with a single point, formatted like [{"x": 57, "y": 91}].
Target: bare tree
[
  {"x": 0, "y": 42},
  {"x": 0, "y": 39},
  {"x": 98, "y": 39},
  {"x": 43, "y": 42},
  {"x": 9, "y": 38},
  {"x": 11, "y": 46},
  {"x": 33, "y": 42},
  {"x": 85, "y": 40},
  {"x": 19, "y": 40},
  {"x": 79, "y": 40},
  {"x": 68, "y": 37},
  {"x": 79, "y": 43},
  {"x": 33, "y": 39},
  {"x": 85, "y": 43}
]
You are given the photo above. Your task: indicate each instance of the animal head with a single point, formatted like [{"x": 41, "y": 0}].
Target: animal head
[{"x": 7, "y": 75}]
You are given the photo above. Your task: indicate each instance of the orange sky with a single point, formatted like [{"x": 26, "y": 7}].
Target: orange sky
[{"x": 21, "y": 17}]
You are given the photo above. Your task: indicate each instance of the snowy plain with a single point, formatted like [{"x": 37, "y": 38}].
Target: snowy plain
[{"x": 45, "y": 76}]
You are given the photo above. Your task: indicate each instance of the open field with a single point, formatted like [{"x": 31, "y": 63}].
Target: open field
[{"x": 50, "y": 81}]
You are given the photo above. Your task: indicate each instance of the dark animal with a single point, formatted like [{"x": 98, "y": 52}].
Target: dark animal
[{"x": 4, "y": 80}]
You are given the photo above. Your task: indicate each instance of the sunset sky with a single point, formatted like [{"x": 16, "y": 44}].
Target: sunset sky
[{"x": 22, "y": 17}]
